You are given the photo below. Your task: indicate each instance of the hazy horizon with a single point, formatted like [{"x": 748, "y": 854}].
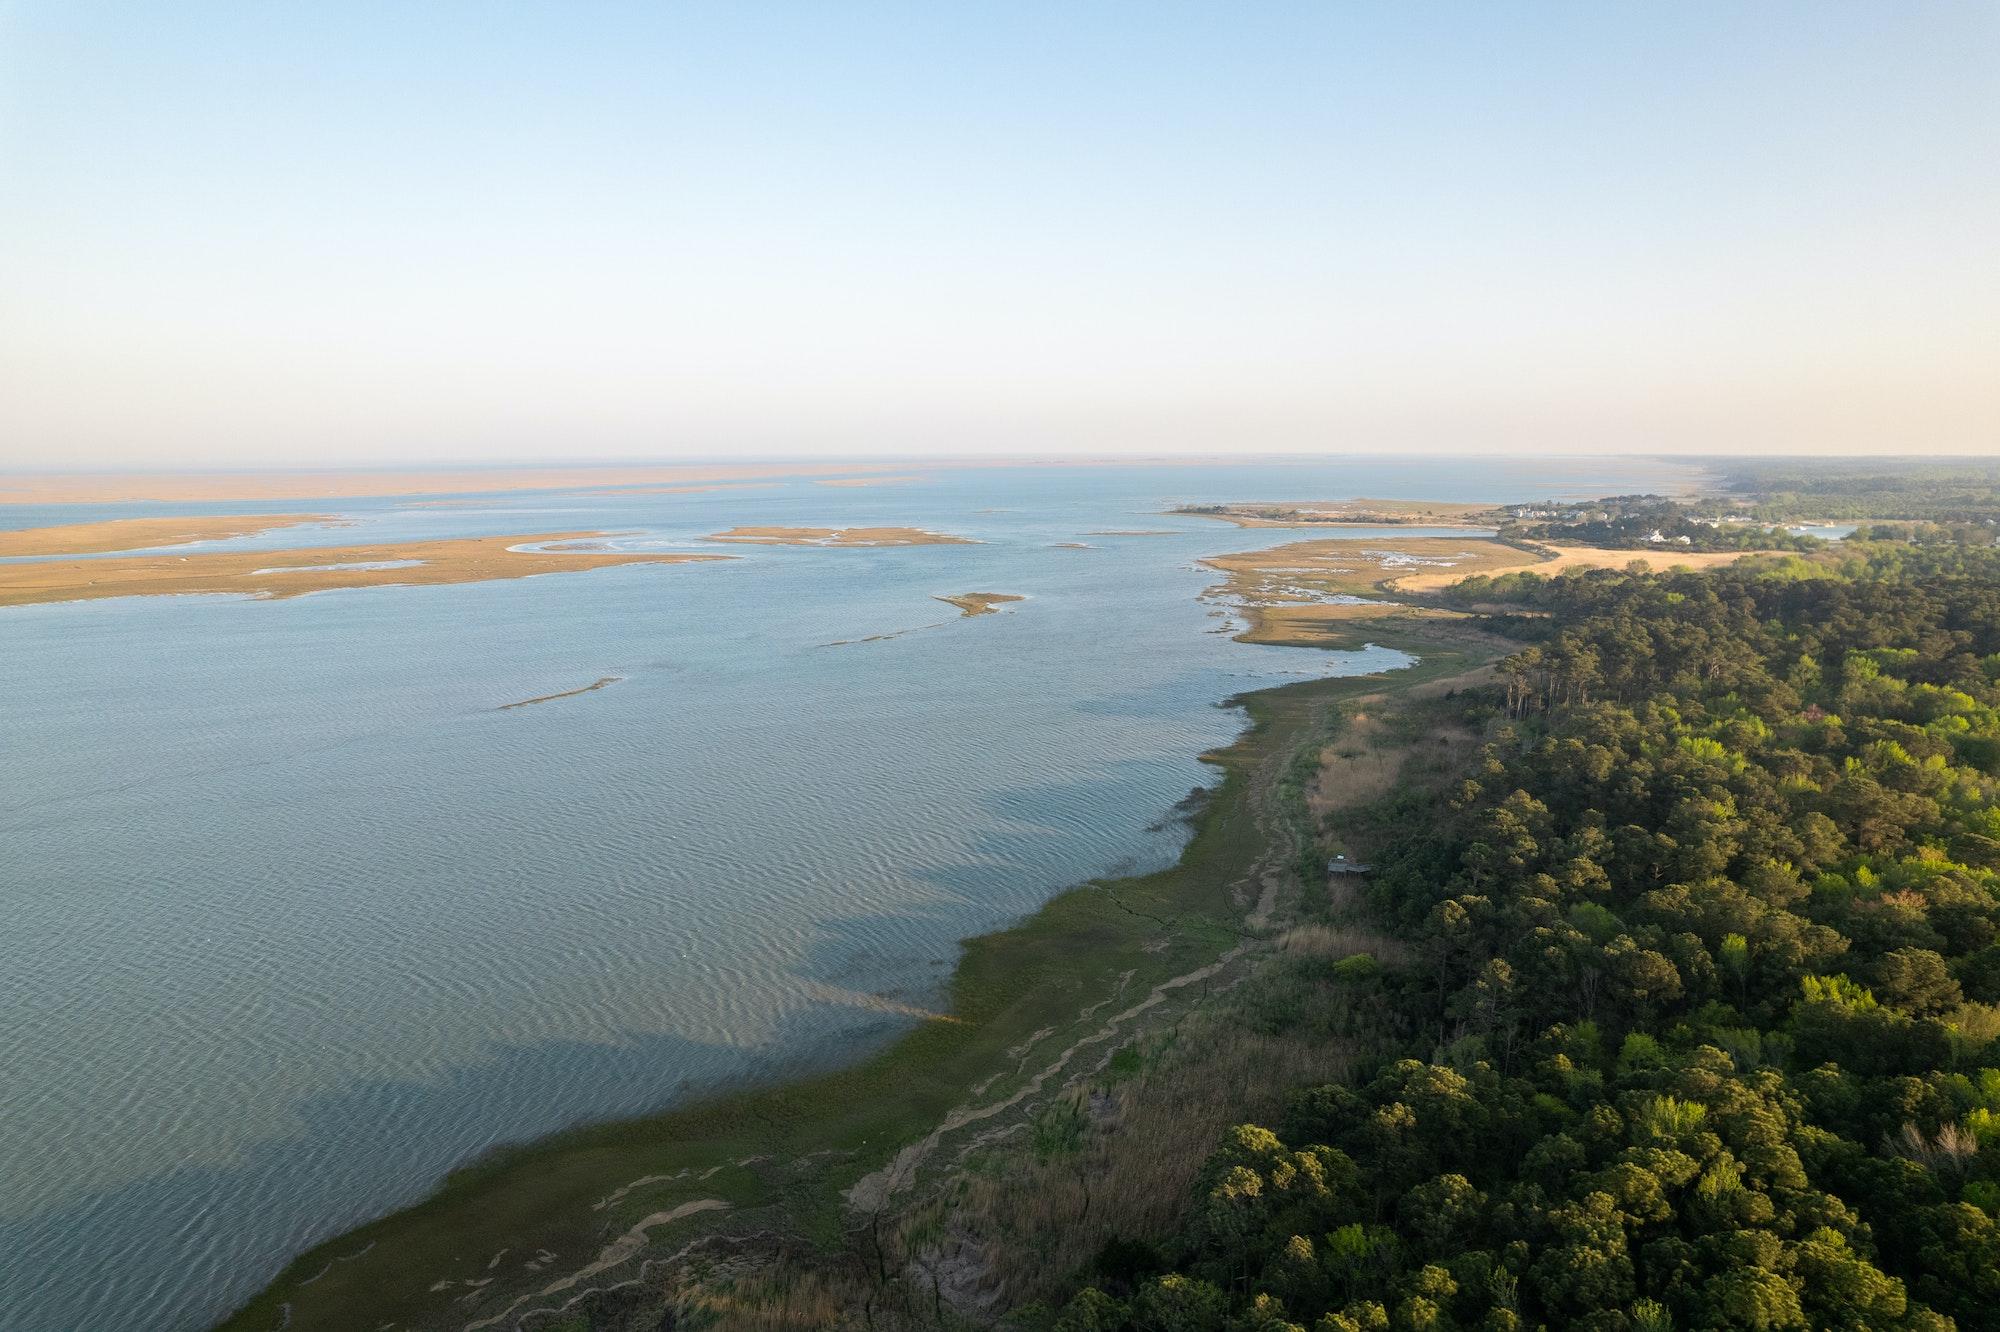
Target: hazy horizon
[{"x": 380, "y": 235}]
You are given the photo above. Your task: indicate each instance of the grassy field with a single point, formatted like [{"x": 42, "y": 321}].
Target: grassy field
[{"x": 809, "y": 1162}]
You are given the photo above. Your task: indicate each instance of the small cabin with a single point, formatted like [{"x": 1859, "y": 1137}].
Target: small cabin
[{"x": 1342, "y": 865}]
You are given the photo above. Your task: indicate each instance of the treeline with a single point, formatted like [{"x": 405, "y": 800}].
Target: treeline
[
  {"x": 1638, "y": 522},
  {"x": 1949, "y": 491},
  {"x": 1702, "y": 1026}
]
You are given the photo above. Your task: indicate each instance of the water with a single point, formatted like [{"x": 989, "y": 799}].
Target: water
[{"x": 298, "y": 918}]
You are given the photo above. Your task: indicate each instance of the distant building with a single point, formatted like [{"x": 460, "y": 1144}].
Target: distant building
[{"x": 1342, "y": 865}]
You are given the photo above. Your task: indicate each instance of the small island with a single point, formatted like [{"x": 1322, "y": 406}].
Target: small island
[
  {"x": 275, "y": 574},
  {"x": 981, "y": 603}
]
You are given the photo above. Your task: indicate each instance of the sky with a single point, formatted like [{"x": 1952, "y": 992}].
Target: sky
[{"x": 371, "y": 233}]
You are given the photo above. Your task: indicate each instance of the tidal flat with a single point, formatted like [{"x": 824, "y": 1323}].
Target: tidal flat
[{"x": 275, "y": 574}]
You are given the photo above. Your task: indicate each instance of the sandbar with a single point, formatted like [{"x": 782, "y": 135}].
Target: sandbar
[
  {"x": 981, "y": 603},
  {"x": 870, "y": 481},
  {"x": 290, "y": 573},
  {"x": 839, "y": 536},
  {"x": 144, "y": 533},
  {"x": 567, "y": 693}
]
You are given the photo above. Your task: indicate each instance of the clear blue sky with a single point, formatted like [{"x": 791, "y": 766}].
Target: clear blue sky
[{"x": 362, "y": 232}]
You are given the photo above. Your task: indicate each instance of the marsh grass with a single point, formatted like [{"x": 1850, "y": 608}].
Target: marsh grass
[{"x": 1012, "y": 1229}]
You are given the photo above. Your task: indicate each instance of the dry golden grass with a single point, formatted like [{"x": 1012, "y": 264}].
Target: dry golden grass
[
  {"x": 1319, "y": 940},
  {"x": 143, "y": 533},
  {"x": 1568, "y": 558},
  {"x": 1359, "y": 766},
  {"x": 786, "y": 1297},
  {"x": 1020, "y": 1231},
  {"x": 838, "y": 536},
  {"x": 289, "y": 573}
]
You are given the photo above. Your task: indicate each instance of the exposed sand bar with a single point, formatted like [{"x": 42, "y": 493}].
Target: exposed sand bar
[
  {"x": 567, "y": 693},
  {"x": 143, "y": 533},
  {"x": 870, "y": 481},
  {"x": 839, "y": 536},
  {"x": 981, "y": 603},
  {"x": 289, "y": 573}
]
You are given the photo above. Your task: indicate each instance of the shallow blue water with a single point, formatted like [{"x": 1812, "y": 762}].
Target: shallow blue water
[{"x": 299, "y": 917}]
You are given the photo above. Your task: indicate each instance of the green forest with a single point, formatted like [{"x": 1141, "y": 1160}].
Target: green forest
[
  {"x": 1698, "y": 1025},
  {"x": 1948, "y": 491}
]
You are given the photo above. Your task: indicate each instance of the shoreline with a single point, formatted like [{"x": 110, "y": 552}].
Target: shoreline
[{"x": 799, "y": 1155}]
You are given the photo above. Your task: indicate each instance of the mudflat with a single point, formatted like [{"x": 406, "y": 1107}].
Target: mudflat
[
  {"x": 144, "y": 533},
  {"x": 839, "y": 536},
  {"x": 289, "y": 573}
]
